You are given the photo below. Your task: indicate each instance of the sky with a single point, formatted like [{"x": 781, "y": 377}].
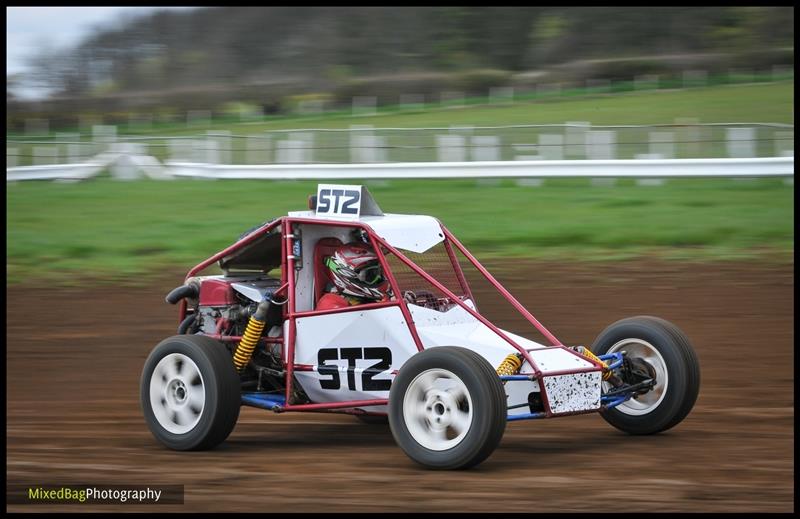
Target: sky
[{"x": 29, "y": 28}]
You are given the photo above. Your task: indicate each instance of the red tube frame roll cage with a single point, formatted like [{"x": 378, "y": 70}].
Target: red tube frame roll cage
[{"x": 290, "y": 313}]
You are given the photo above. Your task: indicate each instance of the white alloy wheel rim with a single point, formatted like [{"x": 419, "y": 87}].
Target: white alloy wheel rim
[
  {"x": 437, "y": 409},
  {"x": 647, "y": 402},
  {"x": 177, "y": 393}
]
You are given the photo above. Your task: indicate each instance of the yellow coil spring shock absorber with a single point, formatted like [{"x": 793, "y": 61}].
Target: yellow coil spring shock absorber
[
  {"x": 252, "y": 334},
  {"x": 510, "y": 365},
  {"x": 248, "y": 343},
  {"x": 589, "y": 355}
]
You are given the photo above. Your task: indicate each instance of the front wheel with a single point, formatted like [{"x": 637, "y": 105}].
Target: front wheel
[
  {"x": 665, "y": 348},
  {"x": 190, "y": 392},
  {"x": 447, "y": 408}
]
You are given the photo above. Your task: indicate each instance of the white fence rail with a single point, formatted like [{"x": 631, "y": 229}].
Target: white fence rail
[
  {"x": 686, "y": 148},
  {"x": 759, "y": 167},
  {"x": 130, "y": 166},
  {"x": 123, "y": 166}
]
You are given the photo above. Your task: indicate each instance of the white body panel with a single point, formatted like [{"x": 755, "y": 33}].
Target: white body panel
[
  {"x": 412, "y": 232},
  {"x": 416, "y": 233},
  {"x": 380, "y": 327},
  {"x": 256, "y": 289},
  {"x": 550, "y": 360},
  {"x": 387, "y": 328},
  {"x": 457, "y": 327}
]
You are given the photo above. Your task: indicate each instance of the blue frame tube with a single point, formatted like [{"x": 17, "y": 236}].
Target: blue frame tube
[
  {"x": 526, "y": 416},
  {"x": 611, "y": 402},
  {"x": 270, "y": 402},
  {"x": 506, "y": 378},
  {"x": 617, "y": 356}
]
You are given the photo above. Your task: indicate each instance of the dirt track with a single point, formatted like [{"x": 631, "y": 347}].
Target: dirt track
[{"x": 74, "y": 360}]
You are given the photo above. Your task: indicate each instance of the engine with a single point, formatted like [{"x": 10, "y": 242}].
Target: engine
[
  {"x": 231, "y": 307},
  {"x": 221, "y": 305}
]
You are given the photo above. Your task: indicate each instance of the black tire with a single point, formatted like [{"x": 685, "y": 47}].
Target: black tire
[
  {"x": 682, "y": 367},
  {"x": 373, "y": 419},
  {"x": 222, "y": 393},
  {"x": 489, "y": 412}
]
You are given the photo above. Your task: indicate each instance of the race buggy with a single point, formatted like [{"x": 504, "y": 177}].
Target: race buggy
[{"x": 346, "y": 309}]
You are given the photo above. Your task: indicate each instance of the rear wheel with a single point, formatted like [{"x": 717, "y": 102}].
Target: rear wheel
[
  {"x": 190, "y": 392},
  {"x": 447, "y": 408},
  {"x": 665, "y": 349}
]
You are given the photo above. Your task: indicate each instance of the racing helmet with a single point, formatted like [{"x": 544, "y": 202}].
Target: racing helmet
[{"x": 356, "y": 271}]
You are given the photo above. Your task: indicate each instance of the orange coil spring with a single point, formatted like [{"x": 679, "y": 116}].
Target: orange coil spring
[
  {"x": 589, "y": 355},
  {"x": 248, "y": 343},
  {"x": 510, "y": 365}
]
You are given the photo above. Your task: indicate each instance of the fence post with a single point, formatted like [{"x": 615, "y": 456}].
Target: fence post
[
  {"x": 211, "y": 150},
  {"x": 601, "y": 145},
  {"x": 575, "y": 138},
  {"x": 45, "y": 155},
  {"x": 741, "y": 142},
  {"x": 223, "y": 141},
  {"x": 662, "y": 144},
  {"x": 551, "y": 146},
  {"x": 11, "y": 157},
  {"x": 180, "y": 150},
  {"x": 688, "y": 134},
  {"x": 450, "y": 148},
  {"x": 784, "y": 143},
  {"x": 257, "y": 149},
  {"x": 649, "y": 181},
  {"x": 103, "y": 136},
  {"x": 66, "y": 142},
  {"x": 485, "y": 148}
]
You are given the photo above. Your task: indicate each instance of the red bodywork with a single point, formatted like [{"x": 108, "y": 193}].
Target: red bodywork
[
  {"x": 288, "y": 289},
  {"x": 215, "y": 292}
]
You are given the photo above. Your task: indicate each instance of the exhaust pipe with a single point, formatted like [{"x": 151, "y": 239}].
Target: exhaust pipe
[{"x": 190, "y": 290}]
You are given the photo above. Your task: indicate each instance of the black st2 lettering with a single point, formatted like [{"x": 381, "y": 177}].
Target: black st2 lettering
[
  {"x": 333, "y": 371},
  {"x": 324, "y": 203},
  {"x": 351, "y": 205},
  {"x": 382, "y": 355},
  {"x": 344, "y": 201}
]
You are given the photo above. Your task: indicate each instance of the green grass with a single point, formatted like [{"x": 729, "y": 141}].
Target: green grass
[
  {"x": 752, "y": 102},
  {"x": 772, "y": 102},
  {"x": 104, "y": 228}
]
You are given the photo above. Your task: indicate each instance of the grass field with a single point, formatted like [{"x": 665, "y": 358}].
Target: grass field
[
  {"x": 110, "y": 229},
  {"x": 103, "y": 228},
  {"x": 761, "y": 102},
  {"x": 771, "y": 102}
]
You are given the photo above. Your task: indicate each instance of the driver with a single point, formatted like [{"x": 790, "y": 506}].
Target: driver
[{"x": 356, "y": 276}]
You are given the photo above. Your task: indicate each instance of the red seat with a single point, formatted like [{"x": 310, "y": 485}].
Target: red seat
[{"x": 324, "y": 247}]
